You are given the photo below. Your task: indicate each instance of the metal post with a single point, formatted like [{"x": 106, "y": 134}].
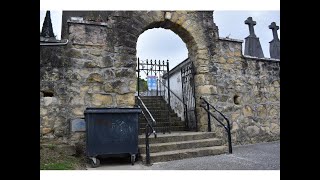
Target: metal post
[
  {"x": 138, "y": 77},
  {"x": 147, "y": 146},
  {"x": 183, "y": 99},
  {"x": 194, "y": 96},
  {"x": 158, "y": 82},
  {"x": 147, "y": 77},
  {"x": 209, "y": 120},
  {"x": 164, "y": 94},
  {"x": 229, "y": 138},
  {"x": 151, "y": 66},
  {"x": 169, "y": 106}
]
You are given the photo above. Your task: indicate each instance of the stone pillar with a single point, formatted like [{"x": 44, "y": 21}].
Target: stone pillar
[
  {"x": 275, "y": 43},
  {"x": 252, "y": 43}
]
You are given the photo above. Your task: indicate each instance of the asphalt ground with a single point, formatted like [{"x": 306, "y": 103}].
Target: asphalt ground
[{"x": 261, "y": 156}]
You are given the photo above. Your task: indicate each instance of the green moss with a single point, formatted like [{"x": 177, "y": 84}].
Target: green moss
[{"x": 53, "y": 158}]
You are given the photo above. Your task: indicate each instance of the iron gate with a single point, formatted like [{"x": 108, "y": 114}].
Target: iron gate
[
  {"x": 188, "y": 96},
  {"x": 154, "y": 70}
]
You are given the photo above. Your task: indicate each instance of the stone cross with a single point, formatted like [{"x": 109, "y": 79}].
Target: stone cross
[
  {"x": 274, "y": 28},
  {"x": 251, "y": 23}
]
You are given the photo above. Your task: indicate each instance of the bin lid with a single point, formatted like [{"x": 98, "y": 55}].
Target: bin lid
[{"x": 112, "y": 110}]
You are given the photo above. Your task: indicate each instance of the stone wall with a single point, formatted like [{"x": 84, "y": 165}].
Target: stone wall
[
  {"x": 97, "y": 67},
  {"x": 247, "y": 91}
]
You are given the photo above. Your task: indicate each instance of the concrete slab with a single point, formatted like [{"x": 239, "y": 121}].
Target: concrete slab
[{"x": 262, "y": 156}]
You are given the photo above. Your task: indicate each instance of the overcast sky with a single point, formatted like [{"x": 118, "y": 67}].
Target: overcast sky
[{"x": 163, "y": 44}]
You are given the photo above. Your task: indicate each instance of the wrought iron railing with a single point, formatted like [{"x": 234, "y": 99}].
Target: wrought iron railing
[
  {"x": 153, "y": 69},
  {"x": 149, "y": 127},
  {"x": 226, "y": 127}
]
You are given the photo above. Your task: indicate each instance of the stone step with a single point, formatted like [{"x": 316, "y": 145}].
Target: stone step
[
  {"x": 161, "y": 120},
  {"x": 177, "y": 136},
  {"x": 185, "y": 153},
  {"x": 162, "y": 124},
  {"x": 171, "y": 146},
  {"x": 154, "y": 102},
  {"x": 160, "y": 110},
  {"x": 162, "y": 113},
  {"x": 159, "y": 130},
  {"x": 151, "y": 97}
]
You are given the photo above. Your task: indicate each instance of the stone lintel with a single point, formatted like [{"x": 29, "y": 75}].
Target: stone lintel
[
  {"x": 81, "y": 21},
  {"x": 230, "y": 39}
]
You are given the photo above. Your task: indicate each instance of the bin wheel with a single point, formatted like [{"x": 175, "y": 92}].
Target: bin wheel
[
  {"x": 94, "y": 165},
  {"x": 133, "y": 159}
]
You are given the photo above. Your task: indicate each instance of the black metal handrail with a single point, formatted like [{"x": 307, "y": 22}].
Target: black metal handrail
[
  {"x": 226, "y": 127},
  {"x": 149, "y": 126}
]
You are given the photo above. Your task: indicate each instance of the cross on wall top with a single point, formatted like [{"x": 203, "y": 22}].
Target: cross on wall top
[
  {"x": 47, "y": 30},
  {"x": 274, "y": 28},
  {"x": 251, "y": 23}
]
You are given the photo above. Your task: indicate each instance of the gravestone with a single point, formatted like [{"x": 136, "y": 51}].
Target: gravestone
[
  {"x": 252, "y": 43},
  {"x": 275, "y": 43}
]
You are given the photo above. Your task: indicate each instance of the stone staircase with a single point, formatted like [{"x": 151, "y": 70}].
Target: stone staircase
[
  {"x": 181, "y": 145},
  {"x": 159, "y": 110},
  {"x": 178, "y": 144}
]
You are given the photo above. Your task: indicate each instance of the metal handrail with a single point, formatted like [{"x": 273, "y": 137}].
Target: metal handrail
[
  {"x": 226, "y": 127},
  {"x": 145, "y": 107},
  {"x": 147, "y": 132}
]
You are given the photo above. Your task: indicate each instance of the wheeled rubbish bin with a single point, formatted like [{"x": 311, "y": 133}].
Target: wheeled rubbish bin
[{"x": 111, "y": 131}]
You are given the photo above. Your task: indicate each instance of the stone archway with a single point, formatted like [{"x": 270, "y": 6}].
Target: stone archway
[{"x": 198, "y": 32}]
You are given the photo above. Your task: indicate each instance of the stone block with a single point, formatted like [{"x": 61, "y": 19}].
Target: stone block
[
  {"x": 95, "y": 77},
  {"x": 46, "y": 131},
  {"x": 262, "y": 112},
  {"x": 107, "y": 62},
  {"x": 91, "y": 64},
  {"x": 206, "y": 89},
  {"x": 253, "y": 131},
  {"x": 127, "y": 100},
  {"x": 101, "y": 100},
  {"x": 247, "y": 111},
  {"x": 43, "y": 111},
  {"x": 275, "y": 128},
  {"x": 230, "y": 61},
  {"x": 222, "y": 60},
  {"x": 78, "y": 111},
  {"x": 200, "y": 79},
  {"x": 74, "y": 53}
]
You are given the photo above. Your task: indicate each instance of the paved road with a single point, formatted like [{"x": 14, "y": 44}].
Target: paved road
[{"x": 262, "y": 156}]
